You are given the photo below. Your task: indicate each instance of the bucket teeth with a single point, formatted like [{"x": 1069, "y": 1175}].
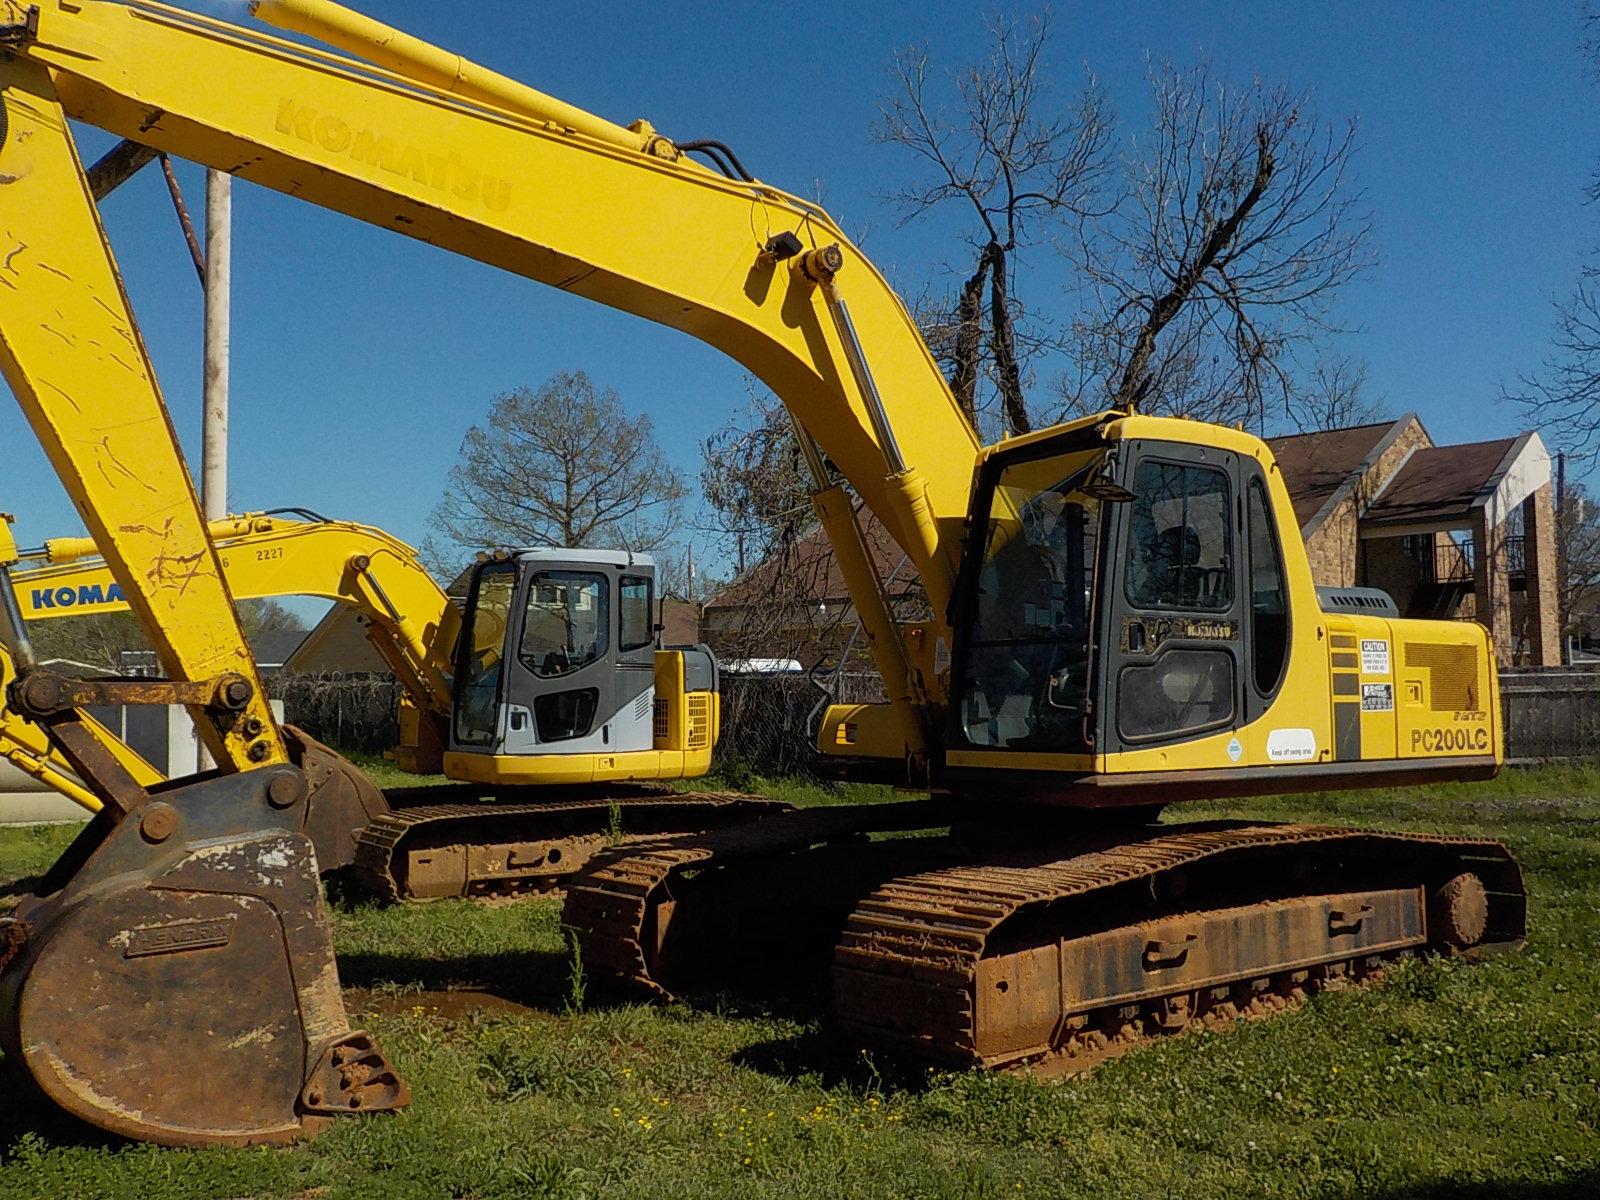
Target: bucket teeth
[{"x": 352, "y": 1075}]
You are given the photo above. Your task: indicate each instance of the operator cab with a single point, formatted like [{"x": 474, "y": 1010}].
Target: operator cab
[
  {"x": 1115, "y": 596},
  {"x": 557, "y": 655}
]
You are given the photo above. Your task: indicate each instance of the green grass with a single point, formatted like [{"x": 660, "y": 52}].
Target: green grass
[{"x": 1446, "y": 1079}]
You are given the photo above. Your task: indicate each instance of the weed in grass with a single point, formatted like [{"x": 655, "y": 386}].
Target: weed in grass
[{"x": 577, "y": 984}]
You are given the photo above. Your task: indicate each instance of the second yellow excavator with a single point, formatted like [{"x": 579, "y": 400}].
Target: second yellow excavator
[{"x": 543, "y": 693}]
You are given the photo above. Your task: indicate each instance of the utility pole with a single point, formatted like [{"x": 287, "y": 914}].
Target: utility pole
[
  {"x": 219, "y": 268},
  {"x": 214, "y": 392}
]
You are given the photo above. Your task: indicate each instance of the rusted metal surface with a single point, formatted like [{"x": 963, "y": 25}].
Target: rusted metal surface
[
  {"x": 339, "y": 800},
  {"x": 116, "y": 166},
  {"x": 991, "y": 956},
  {"x": 40, "y": 693},
  {"x": 353, "y": 1076},
  {"x": 93, "y": 761},
  {"x": 622, "y": 907},
  {"x": 195, "y": 253},
  {"x": 425, "y": 848},
  {"x": 13, "y": 937},
  {"x": 209, "y": 954},
  {"x": 917, "y": 958}
]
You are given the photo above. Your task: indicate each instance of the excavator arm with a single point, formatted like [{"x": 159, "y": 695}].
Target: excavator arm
[
  {"x": 410, "y": 621},
  {"x": 446, "y": 152}
]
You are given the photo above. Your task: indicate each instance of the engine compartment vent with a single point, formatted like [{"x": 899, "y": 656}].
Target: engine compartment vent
[{"x": 1372, "y": 602}]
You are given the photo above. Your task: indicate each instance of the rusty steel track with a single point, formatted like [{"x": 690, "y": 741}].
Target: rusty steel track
[
  {"x": 995, "y": 958},
  {"x": 427, "y": 850}
]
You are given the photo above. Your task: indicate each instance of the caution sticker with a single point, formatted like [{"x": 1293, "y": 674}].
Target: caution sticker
[{"x": 1374, "y": 656}]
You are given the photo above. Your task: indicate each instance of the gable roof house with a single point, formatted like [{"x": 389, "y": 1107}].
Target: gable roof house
[{"x": 1465, "y": 532}]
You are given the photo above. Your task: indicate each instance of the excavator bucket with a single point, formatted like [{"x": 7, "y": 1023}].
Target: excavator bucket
[{"x": 172, "y": 979}]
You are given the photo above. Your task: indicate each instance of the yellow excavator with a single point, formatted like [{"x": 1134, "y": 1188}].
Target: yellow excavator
[
  {"x": 1122, "y": 616},
  {"x": 545, "y": 782}
]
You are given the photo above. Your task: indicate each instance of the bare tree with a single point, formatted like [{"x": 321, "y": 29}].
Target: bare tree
[
  {"x": 561, "y": 466},
  {"x": 1578, "y": 559},
  {"x": 1335, "y": 396},
  {"x": 1018, "y": 166},
  {"x": 1564, "y": 393},
  {"x": 1236, "y": 225},
  {"x": 753, "y": 478}
]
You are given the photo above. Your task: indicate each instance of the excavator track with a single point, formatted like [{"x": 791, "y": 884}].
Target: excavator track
[
  {"x": 992, "y": 959},
  {"x": 428, "y": 848}
]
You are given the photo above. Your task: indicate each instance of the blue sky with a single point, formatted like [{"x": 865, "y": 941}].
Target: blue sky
[{"x": 360, "y": 358}]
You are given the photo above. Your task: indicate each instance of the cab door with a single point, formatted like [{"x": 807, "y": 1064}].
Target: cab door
[
  {"x": 1174, "y": 617},
  {"x": 561, "y": 679}
]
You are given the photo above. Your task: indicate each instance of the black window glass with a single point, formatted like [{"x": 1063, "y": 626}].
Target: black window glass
[
  {"x": 482, "y": 641},
  {"x": 563, "y": 715},
  {"x": 1180, "y": 553},
  {"x": 634, "y": 600},
  {"x": 1024, "y": 674},
  {"x": 1179, "y": 692},
  {"x": 566, "y": 622},
  {"x": 1269, "y": 613}
]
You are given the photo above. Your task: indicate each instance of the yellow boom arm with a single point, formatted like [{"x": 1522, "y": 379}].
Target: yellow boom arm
[
  {"x": 410, "y": 621},
  {"x": 449, "y": 153}
]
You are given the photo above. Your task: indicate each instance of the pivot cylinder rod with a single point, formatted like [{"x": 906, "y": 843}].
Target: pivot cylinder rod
[{"x": 387, "y": 47}]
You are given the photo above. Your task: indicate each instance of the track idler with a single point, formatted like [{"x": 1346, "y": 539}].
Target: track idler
[{"x": 173, "y": 979}]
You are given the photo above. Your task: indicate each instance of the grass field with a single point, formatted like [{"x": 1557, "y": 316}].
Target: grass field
[{"x": 1444, "y": 1080}]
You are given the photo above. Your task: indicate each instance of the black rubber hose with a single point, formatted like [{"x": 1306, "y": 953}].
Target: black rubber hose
[{"x": 708, "y": 147}]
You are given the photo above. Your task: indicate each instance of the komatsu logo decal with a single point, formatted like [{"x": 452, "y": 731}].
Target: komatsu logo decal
[
  {"x": 442, "y": 172},
  {"x": 85, "y": 595}
]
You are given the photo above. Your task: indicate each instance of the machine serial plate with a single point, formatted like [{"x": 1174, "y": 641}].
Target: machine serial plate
[{"x": 179, "y": 935}]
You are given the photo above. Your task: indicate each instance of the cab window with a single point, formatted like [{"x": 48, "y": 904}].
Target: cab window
[
  {"x": 634, "y": 600},
  {"x": 1180, "y": 553},
  {"x": 1025, "y": 669},
  {"x": 1269, "y": 614},
  {"x": 565, "y": 623}
]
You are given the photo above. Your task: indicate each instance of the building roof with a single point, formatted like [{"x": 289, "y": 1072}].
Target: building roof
[
  {"x": 1441, "y": 484},
  {"x": 812, "y": 573},
  {"x": 338, "y": 643},
  {"x": 1317, "y": 466},
  {"x": 275, "y": 647}
]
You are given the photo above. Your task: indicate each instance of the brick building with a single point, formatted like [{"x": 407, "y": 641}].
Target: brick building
[{"x": 1463, "y": 531}]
